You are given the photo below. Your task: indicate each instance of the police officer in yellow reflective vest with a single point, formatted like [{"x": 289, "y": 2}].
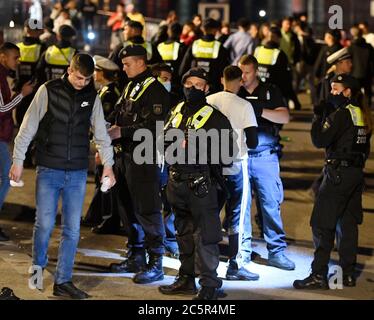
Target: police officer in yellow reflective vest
[
  {"x": 172, "y": 51},
  {"x": 57, "y": 58},
  {"x": 208, "y": 54},
  {"x": 143, "y": 102},
  {"x": 345, "y": 134},
  {"x": 273, "y": 66},
  {"x": 31, "y": 49},
  {"x": 192, "y": 188}
]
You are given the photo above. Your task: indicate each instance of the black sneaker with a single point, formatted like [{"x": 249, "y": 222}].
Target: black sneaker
[
  {"x": 181, "y": 285},
  {"x": 244, "y": 274},
  {"x": 68, "y": 290},
  {"x": 3, "y": 236},
  {"x": 349, "y": 281},
  {"x": 8, "y": 294},
  {"x": 312, "y": 282}
]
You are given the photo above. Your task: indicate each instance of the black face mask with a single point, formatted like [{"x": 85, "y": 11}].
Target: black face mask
[
  {"x": 193, "y": 95},
  {"x": 338, "y": 100}
]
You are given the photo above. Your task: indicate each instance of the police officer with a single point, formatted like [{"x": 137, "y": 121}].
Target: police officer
[
  {"x": 132, "y": 34},
  {"x": 345, "y": 134},
  {"x": 172, "y": 51},
  {"x": 209, "y": 54},
  {"x": 143, "y": 102},
  {"x": 192, "y": 191},
  {"x": 104, "y": 204},
  {"x": 273, "y": 66},
  {"x": 31, "y": 50},
  {"x": 56, "y": 59},
  {"x": 263, "y": 164},
  {"x": 341, "y": 62}
]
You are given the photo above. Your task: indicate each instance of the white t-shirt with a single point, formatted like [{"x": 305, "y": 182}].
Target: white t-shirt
[{"x": 240, "y": 114}]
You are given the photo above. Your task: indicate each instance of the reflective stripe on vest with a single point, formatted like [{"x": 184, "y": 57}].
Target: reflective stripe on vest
[
  {"x": 59, "y": 57},
  {"x": 102, "y": 91},
  {"x": 146, "y": 45},
  {"x": 357, "y": 116},
  {"x": 29, "y": 53},
  {"x": 266, "y": 56},
  {"x": 197, "y": 121},
  {"x": 139, "y": 89},
  {"x": 206, "y": 49},
  {"x": 169, "y": 51}
]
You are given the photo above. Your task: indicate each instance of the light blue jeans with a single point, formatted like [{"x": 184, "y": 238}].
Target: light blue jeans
[
  {"x": 50, "y": 185},
  {"x": 5, "y": 163}
]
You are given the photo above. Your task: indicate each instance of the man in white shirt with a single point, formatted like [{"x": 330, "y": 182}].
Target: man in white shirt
[{"x": 243, "y": 120}]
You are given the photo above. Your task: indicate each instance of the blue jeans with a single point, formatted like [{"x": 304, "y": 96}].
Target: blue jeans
[
  {"x": 5, "y": 163},
  {"x": 50, "y": 185},
  {"x": 265, "y": 178}
]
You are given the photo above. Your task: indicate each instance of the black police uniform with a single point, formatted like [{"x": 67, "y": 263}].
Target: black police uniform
[
  {"x": 143, "y": 102},
  {"x": 273, "y": 67},
  {"x": 31, "y": 50},
  {"x": 347, "y": 142},
  {"x": 192, "y": 193},
  {"x": 212, "y": 57}
]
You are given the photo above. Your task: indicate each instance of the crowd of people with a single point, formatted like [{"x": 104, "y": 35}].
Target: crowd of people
[{"x": 192, "y": 77}]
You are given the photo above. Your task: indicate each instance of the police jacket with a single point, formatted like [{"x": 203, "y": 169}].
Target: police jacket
[
  {"x": 321, "y": 66},
  {"x": 186, "y": 116},
  {"x": 209, "y": 54},
  {"x": 55, "y": 61},
  {"x": 268, "y": 96},
  {"x": 273, "y": 67},
  {"x": 143, "y": 102},
  {"x": 62, "y": 139},
  {"x": 109, "y": 95},
  {"x": 31, "y": 50},
  {"x": 343, "y": 134}
]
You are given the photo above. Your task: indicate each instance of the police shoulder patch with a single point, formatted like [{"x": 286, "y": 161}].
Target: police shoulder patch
[
  {"x": 157, "y": 109},
  {"x": 326, "y": 125}
]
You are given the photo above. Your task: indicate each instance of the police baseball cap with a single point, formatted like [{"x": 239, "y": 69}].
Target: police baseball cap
[
  {"x": 134, "y": 24},
  {"x": 339, "y": 55},
  {"x": 195, "y": 72},
  {"x": 132, "y": 50},
  {"x": 66, "y": 31},
  {"x": 102, "y": 63},
  {"x": 348, "y": 81}
]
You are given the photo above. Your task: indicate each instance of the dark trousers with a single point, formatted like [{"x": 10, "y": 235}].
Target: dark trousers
[
  {"x": 198, "y": 231},
  {"x": 144, "y": 186},
  {"x": 337, "y": 210}
]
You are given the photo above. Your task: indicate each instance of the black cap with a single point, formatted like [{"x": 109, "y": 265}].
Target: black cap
[
  {"x": 132, "y": 51},
  {"x": 66, "y": 31},
  {"x": 211, "y": 24},
  {"x": 276, "y": 30},
  {"x": 134, "y": 24},
  {"x": 195, "y": 72},
  {"x": 348, "y": 81}
]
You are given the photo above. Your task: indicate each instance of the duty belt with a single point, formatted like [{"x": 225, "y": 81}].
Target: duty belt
[
  {"x": 264, "y": 153},
  {"x": 184, "y": 176},
  {"x": 344, "y": 163}
]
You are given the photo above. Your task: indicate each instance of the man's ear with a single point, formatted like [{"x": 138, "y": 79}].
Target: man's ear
[
  {"x": 70, "y": 71},
  {"x": 223, "y": 81},
  {"x": 206, "y": 88}
]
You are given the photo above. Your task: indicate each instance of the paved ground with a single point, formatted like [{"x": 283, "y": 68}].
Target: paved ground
[{"x": 300, "y": 165}]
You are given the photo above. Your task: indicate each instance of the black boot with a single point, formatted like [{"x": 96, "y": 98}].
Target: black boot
[
  {"x": 349, "y": 281},
  {"x": 181, "y": 285},
  {"x": 314, "y": 281},
  {"x": 153, "y": 272},
  {"x": 208, "y": 293},
  {"x": 135, "y": 262}
]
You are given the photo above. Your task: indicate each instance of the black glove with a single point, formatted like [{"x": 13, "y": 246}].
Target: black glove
[{"x": 324, "y": 108}]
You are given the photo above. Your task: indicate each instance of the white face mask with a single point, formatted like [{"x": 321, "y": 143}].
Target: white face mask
[{"x": 167, "y": 85}]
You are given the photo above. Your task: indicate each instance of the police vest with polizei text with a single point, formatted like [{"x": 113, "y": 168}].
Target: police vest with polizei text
[
  {"x": 29, "y": 57},
  {"x": 266, "y": 58},
  {"x": 169, "y": 51}
]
